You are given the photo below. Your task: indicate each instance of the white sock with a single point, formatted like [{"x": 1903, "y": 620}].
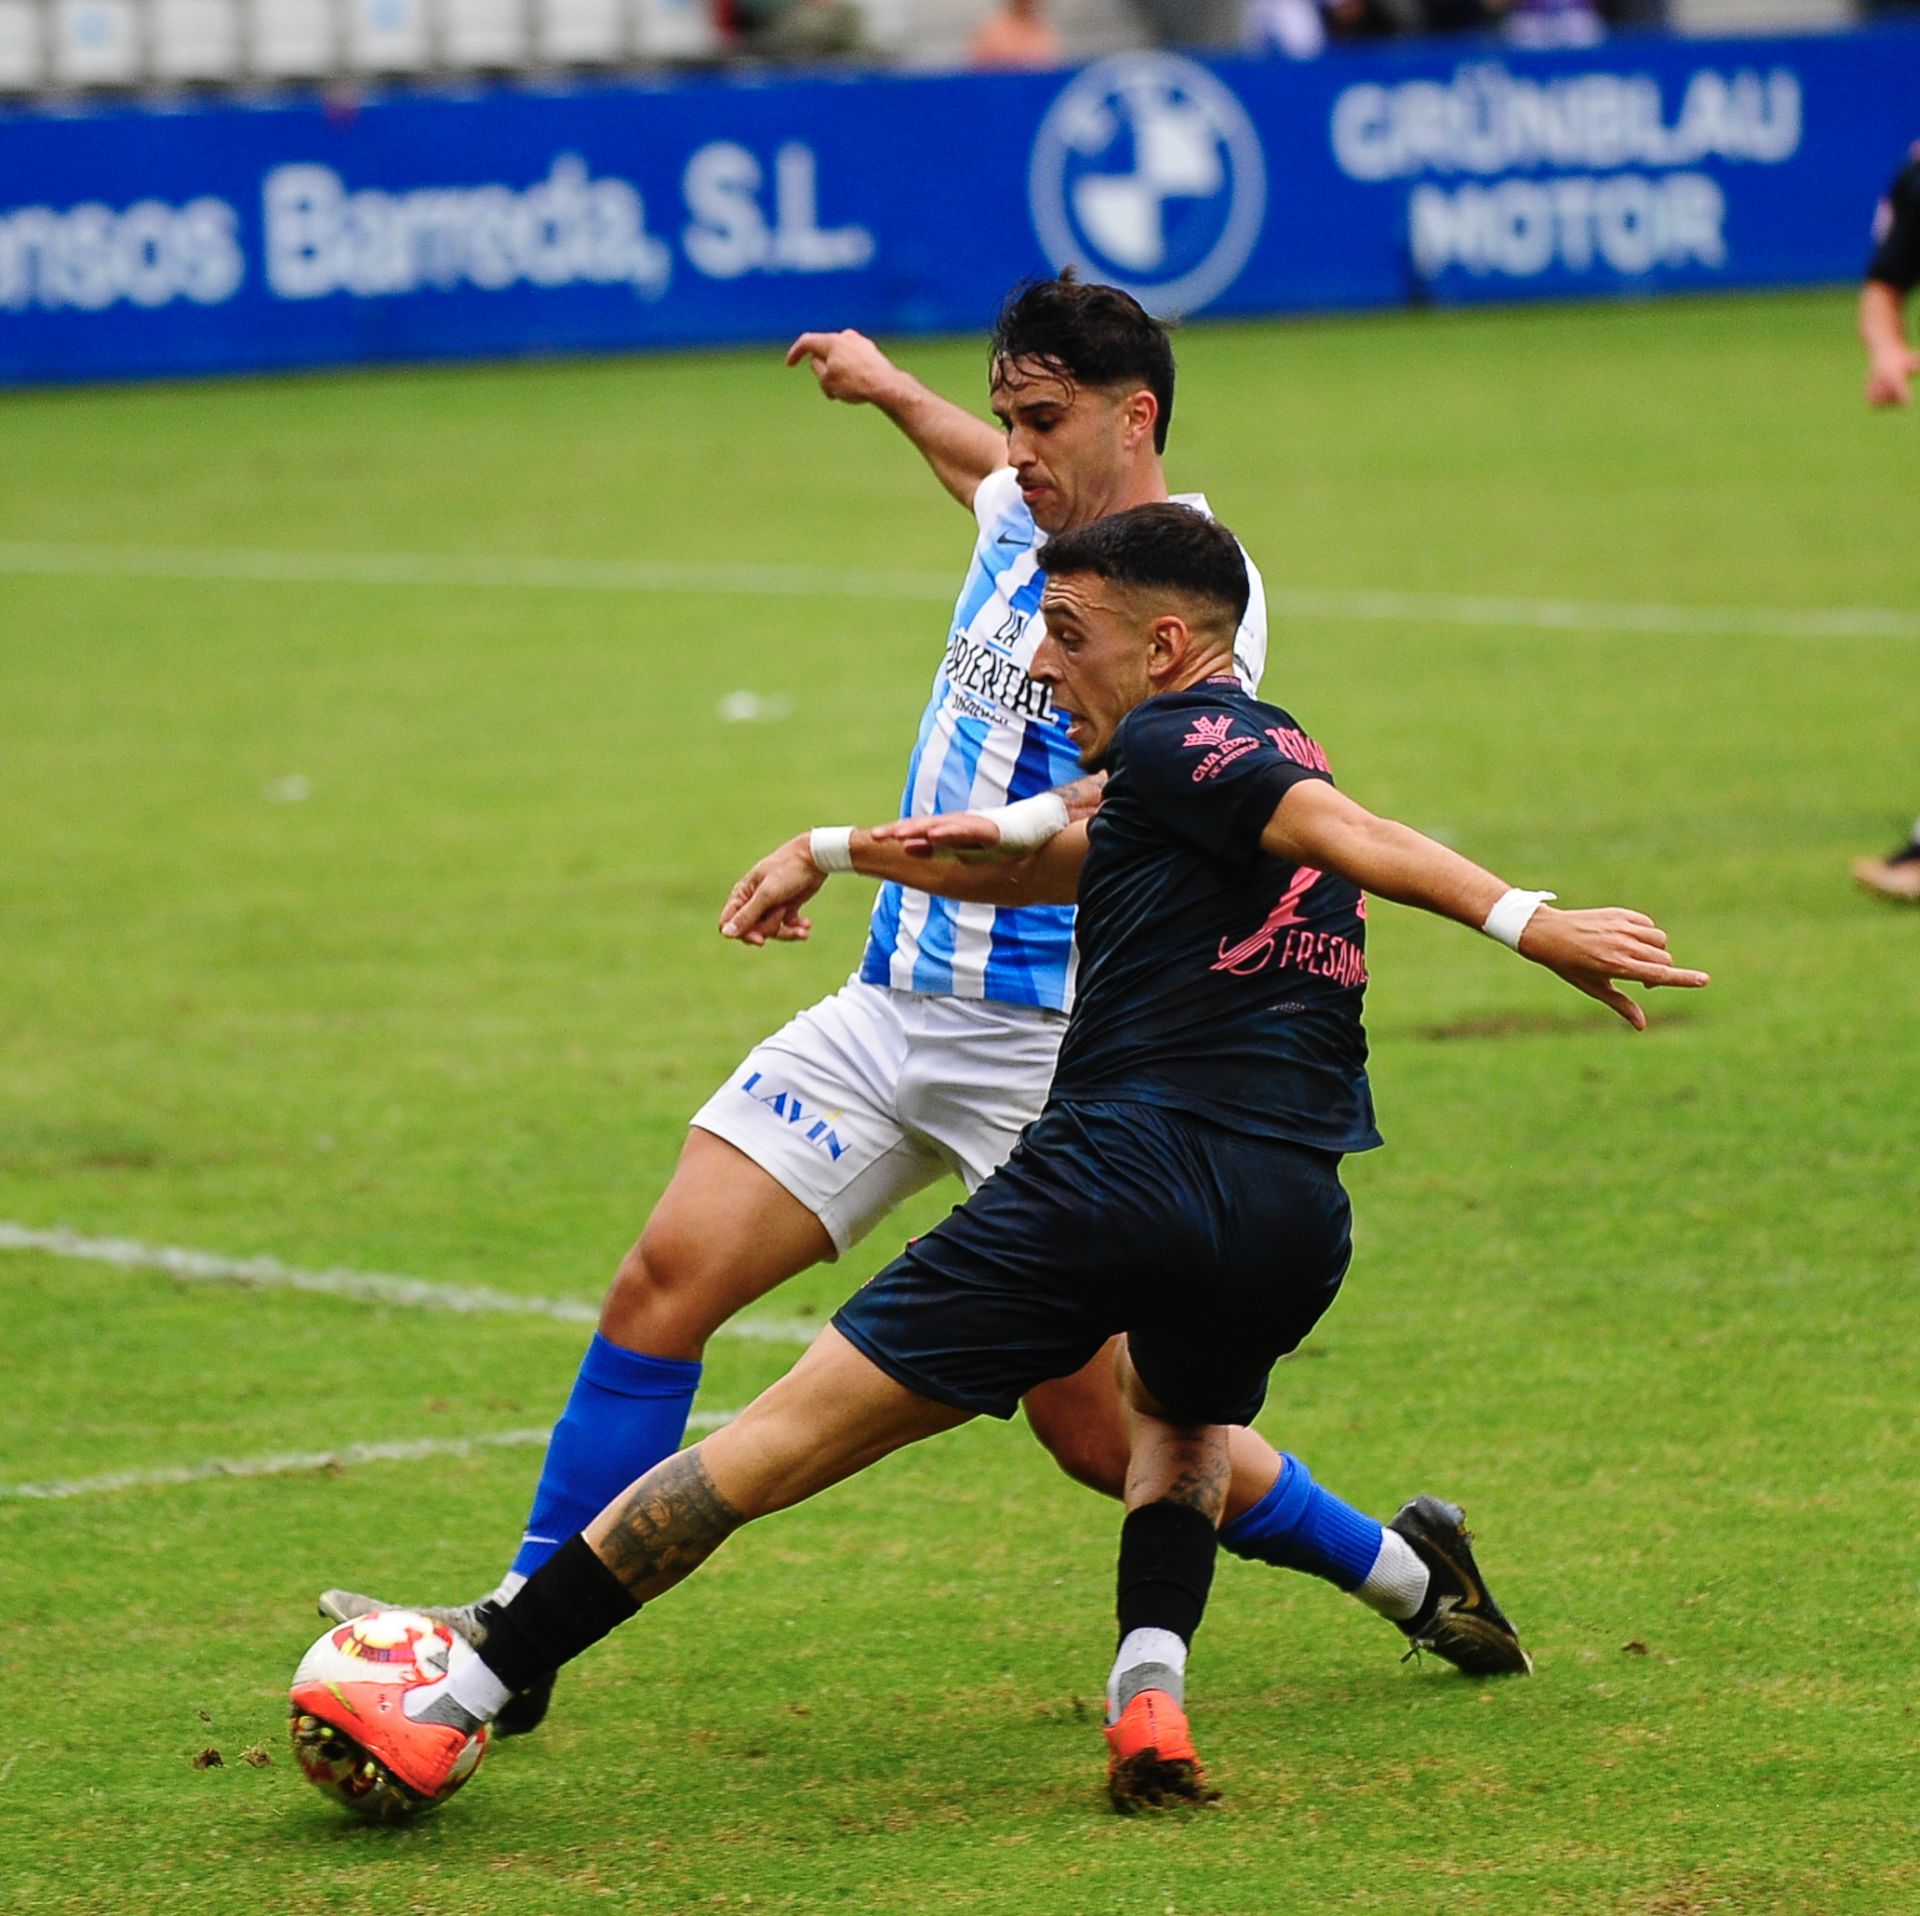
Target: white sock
[
  {"x": 477, "y": 1690},
  {"x": 508, "y": 1588},
  {"x": 1148, "y": 1660},
  {"x": 472, "y": 1695},
  {"x": 1396, "y": 1586}
]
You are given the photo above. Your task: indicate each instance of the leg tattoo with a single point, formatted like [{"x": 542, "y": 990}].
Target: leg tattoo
[
  {"x": 1194, "y": 1467},
  {"x": 671, "y": 1522}
]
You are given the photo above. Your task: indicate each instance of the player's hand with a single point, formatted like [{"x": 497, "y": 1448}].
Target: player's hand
[
  {"x": 967, "y": 836},
  {"x": 766, "y": 903},
  {"x": 848, "y": 365},
  {"x": 1889, "y": 378},
  {"x": 1593, "y": 949}
]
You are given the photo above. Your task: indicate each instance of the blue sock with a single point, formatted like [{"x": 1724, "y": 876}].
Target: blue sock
[
  {"x": 1299, "y": 1526},
  {"x": 627, "y": 1412}
]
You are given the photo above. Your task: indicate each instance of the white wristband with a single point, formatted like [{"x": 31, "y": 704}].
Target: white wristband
[
  {"x": 1510, "y": 915},
  {"x": 831, "y": 847},
  {"x": 1028, "y": 823}
]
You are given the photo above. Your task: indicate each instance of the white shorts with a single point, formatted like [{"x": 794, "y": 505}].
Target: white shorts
[{"x": 872, "y": 1094}]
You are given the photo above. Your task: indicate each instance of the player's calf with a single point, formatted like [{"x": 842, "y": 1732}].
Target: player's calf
[{"x": 1166, "y": 1568}]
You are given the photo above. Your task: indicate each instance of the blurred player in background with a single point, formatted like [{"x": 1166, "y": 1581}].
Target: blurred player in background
[
  {"x": 935, "y": 1056},
  {"x": 1891, "y": 364},
  {"x": 1891, "y": 275},
  {"x": 1180, "y": 1190},
  {"x": 1897, "y": 876},
  {"x": 1016, "y": 36}
]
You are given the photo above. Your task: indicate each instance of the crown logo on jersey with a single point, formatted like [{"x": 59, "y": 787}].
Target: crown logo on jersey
[{"x": 1209, "y": 731}]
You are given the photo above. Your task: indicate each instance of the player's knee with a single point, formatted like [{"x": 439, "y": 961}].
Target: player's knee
[
  {"x": 660, "y": 1301},
  {"x": 1091, "y": 1451}
]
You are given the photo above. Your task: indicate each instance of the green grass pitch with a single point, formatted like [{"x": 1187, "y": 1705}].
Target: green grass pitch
[{"x": 1645, "y": 1305}]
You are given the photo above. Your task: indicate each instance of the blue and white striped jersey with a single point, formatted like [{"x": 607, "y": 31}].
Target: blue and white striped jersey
[{"x": 990, "y": 734}]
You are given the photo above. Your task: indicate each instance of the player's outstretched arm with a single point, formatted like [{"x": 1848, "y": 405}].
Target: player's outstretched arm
[
  {"x": 960, "y": 448},
  {"x": 766, "y": 904},
  {"x": 1005, "y": 831},
  {"x": 1049, "y": 874},
  {"x": 1317, "y": 826}
]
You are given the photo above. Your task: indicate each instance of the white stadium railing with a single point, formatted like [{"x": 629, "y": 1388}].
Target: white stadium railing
[
  {"x": 92, "y": 45},
  {"x": 106, "y": 46}
]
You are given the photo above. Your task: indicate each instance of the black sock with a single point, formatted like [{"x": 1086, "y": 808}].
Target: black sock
[
  {"x": 1166, "y": 1569},
  {"x": 565, "y": 1607}
]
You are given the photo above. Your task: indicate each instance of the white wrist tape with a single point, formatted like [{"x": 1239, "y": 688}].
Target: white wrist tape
[
  {"x": 1027, "y": 824},
  {"x": 831, "y": 847},
  {"x": 1511, "y": 913}
]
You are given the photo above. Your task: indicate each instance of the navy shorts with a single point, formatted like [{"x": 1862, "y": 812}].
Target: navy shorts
[{"x": 1214, "y": 1252}]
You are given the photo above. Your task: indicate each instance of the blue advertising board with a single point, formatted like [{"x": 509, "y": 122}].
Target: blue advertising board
[{"x": 139, "y": 241}]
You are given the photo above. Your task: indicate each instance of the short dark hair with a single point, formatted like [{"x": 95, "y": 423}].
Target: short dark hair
[
  {"x": 1095, "y": 335},
  {"x": 1168, "y": 546}
]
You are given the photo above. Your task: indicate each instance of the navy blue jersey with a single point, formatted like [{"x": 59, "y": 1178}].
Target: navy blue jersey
[
  {"x": 1215, "y": 978},
  {"x": 1896, "y": 231}
]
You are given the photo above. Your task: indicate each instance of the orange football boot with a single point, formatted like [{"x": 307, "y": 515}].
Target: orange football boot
[
  {"x": 420, "y": 1755},
  {"x": 1153, "y": 1762}
]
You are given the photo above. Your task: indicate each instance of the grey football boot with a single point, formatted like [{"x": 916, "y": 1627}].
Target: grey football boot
[
  {"x": 1459, "y": 1619},
  {"x": 466, "y": 1620}
]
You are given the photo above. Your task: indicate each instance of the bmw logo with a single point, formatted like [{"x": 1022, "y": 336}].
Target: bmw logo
[{"x": 1147, "y": 173}]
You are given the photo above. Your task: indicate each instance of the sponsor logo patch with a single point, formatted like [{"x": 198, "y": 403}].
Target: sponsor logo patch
[
  {"x": 1209, "y": 735},
  {"x": 1284, "y": 941},
  {"x": 815, "y": 1127},
  {"x": 1296, "y": 745},
  {"x": 998, "y": 680}
]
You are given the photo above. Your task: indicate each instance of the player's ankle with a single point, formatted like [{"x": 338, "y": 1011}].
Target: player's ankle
[
  {"x": 1147, "y": 1659},
  {"x": 1399, "y": 1586},
  {"x": 436, "y": 1702},
  {"x": 564, "y": 1608}
]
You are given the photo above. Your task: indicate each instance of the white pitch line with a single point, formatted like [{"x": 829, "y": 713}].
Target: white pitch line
[
  {"x": 265, "y": 566},
  {"x": 376, "y": 1287},
  {"x": 291, "y": 1462},
  {"x": 480, "y": 572},
  {"x": 1589, "y": 615}
]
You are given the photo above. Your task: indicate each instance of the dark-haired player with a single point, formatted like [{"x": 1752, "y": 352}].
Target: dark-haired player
[
  {"x": 939, "y": 1050},
  {"x": 1181, "y": 1188},
  {"x": 1892, "y": 274},
  {"x": 936, "y": 1054}
]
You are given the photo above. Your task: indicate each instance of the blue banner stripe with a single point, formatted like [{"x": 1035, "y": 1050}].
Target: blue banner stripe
[{"x": 490, "y": 219}]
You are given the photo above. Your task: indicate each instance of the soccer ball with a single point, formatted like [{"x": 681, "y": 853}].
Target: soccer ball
[{"x": 397, "y": 1647}]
